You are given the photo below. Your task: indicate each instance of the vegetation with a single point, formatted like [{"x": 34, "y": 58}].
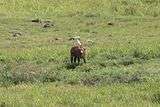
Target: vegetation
[{"x": 123, "y": 53}]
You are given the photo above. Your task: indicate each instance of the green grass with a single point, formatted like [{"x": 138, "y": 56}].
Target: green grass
[
  {"x": 58, "y": 95},
  {"x": 122, "y": 62}
]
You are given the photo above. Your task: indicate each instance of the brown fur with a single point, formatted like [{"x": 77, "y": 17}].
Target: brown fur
[{"x": 77, "y": 53}]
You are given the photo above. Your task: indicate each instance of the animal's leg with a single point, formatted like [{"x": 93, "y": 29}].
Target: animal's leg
[
  {"x": 78, "y": 60},
  {"x": 75, "y": 58},
  {"x": 71, "y": 59},
  {"x": 84, "y": 59}
]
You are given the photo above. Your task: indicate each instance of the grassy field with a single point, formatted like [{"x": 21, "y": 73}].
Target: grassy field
[{"x": 122, "y": 38}]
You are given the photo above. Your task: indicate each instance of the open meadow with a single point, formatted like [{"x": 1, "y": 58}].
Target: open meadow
[{"x": 122, "y": 38}]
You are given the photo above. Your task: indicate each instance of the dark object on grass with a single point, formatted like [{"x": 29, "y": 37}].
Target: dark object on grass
[
  {"x": 109, "y": 35},
  {"x": 57, "y": 39},
  {"x": 47, "y": 25},
  {"x": 71, "y": 66},
  {"x": 71, "y": 38},
  {"x": 110, "y": 23},
  {"x": 77, "y": 53},
  {"x": 36, "y": 20}
]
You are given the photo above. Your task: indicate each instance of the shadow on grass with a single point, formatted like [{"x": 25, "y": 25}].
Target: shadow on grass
[{"x": 71, "y": 66}]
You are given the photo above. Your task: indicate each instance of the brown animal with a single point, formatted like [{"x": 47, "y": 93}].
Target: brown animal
[{"x": 77, "y": 53}]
